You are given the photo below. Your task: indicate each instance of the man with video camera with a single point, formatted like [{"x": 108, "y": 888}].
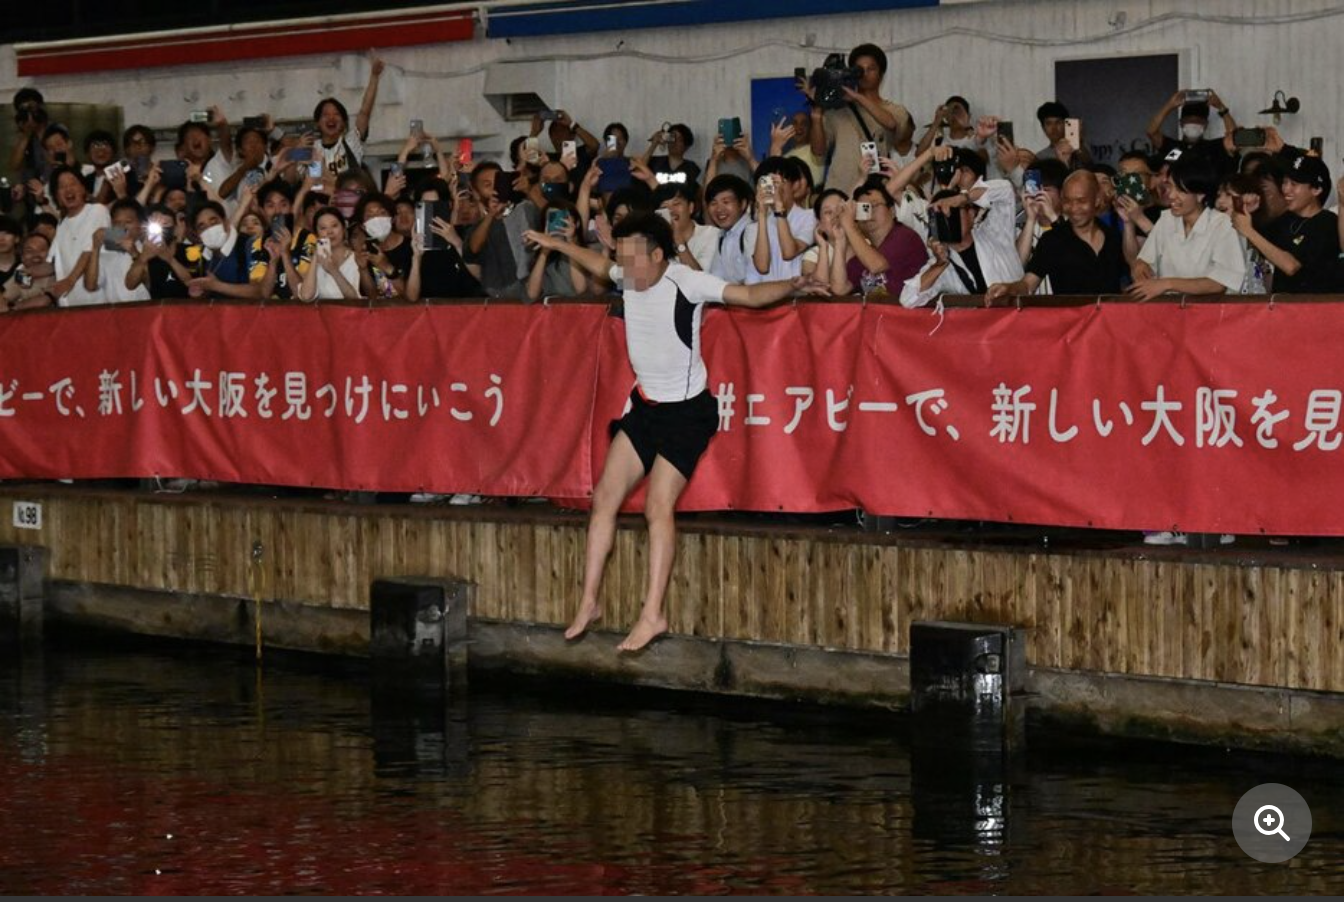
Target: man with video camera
[{"x": 848, "y": 111}]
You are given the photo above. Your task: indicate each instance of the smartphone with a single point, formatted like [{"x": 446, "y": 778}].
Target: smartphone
[
  {"x": 155, "y": 232},
  {"x": 1317, "y": 146},
  {"x": 730, "y": 130},
  {"x": 324, "y": 247},
  {"x": 767, "y": 184},
  {"x": 1248, "y": 137},
  {"x": 417, "y": 128},
  {"x": 1131, "y": 185},
  {"x": 1006, "y": 131},
  {"x": 113, "y": 237},
  {"x": 279, "y": 223},
  {"x": 1198, "y": 95},
  {"x": 800, "y": 74},
  {"x": 1031, "y": 182},
  {"x": 394, "y": 168},
  {"x": 615, "y": 175},
  {"x": 257, "y": 122},
  {"x": 569, "y": 148},
  {"x": 199, "y": 116},
  {"x": 666, "y": 137},
  {"x": 548, "y": 115},
  {"x": 315, "y": 169},
  {"x": 425, "y": 214},
  {"x": 1073, "y": 133},
  {"x": 872, "y": 163},
  {"x": 464, "y": 149},
  {"x": 611, "y": 143},
  {"x": 301, "y": 154},
  {"x": 556, "y": 222},
  {"x": 532, "y": 150},
  {"x": 173, "y": 174},
  {"x": 863, "y": 211}
]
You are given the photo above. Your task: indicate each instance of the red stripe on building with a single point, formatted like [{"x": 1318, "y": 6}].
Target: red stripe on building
[{"x": 260, "y": 42}]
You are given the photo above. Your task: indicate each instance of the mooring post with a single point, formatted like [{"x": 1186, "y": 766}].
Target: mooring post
[
  {"x": 418, "y": 657},
  {"x": 23, "y": 577}
]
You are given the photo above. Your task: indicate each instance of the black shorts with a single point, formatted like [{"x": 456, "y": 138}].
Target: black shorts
[{"x": 677, "y": 431}]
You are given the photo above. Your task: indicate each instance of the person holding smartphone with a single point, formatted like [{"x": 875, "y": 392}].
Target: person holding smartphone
[
  {"x": 675, "y": 142},
  {"x": 873, "y": 254},
  {"x": 160, "y": 267},
  {"x": 1303, "y": 244},
  {"x": 554, "y": 274},
  {"x": 439, "y": 272},
  {"x": 1193, "y": 140},
  {"x": 335, "y": 274},
  {"x": 28, "y": 159},
  {"x": 110, "y": 261},
  {"x": 31, "y": 287},
  {"x": 1054, "y": 117},
  {"x": 781, "y": 231}
]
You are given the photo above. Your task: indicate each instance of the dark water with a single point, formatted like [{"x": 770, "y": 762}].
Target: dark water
[{"x": 179, "y": 771}]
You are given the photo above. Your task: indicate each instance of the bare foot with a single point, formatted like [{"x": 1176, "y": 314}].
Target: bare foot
[
  {"x": 644, "y": 632},
  {"x": 587, "y": 616}
]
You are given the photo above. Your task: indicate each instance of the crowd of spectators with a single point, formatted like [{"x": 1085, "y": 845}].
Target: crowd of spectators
[{"x": 852, "y": 193}]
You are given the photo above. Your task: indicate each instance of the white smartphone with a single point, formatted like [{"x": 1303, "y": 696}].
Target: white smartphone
[
  {"x": 532, "y": 151},
  {"x": 569, "y": 148},
  {"x": 863, "y": 211},
  {"x": 324, "y": 247},
  {"x": 767, "y": 184},
  {"x": 872, "y": 163},
  {"x": 1073, "y": 133}
]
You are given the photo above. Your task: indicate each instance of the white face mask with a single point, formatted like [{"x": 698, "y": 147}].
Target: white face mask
[
  {"x": 214, "y": 237},
  {"x": 1192, "y": 131},
  {"x": 378, "y": 228}
]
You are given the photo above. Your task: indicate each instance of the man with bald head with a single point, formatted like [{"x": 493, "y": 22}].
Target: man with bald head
[{"x": 1078, "y": 254}]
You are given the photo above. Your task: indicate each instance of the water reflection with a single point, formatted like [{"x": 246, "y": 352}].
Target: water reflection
[{"x": 183, "y": 773}]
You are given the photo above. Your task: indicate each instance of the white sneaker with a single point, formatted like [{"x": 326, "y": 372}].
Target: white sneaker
[
  {"x": 465, "y": 499},
  {"x": 1165, "y": 538},
  {"x": 426, "y": 498}
]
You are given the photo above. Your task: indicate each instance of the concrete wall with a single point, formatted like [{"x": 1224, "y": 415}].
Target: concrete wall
[{"x": 999, "y": 54}]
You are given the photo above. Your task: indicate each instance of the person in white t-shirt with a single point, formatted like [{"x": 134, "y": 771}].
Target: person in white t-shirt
[
  {"x": 697, "y": 245},
  {"x": 341, "y": 146},
  {"x": 672, "y": 414},
  {"x": 782, "y": 230},
  {"x": 110, "y": 262},
  {"x": 74, "y": 236}
]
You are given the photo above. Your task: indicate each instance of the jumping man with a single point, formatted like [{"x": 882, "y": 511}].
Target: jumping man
[{"x": 672, "y": 417}]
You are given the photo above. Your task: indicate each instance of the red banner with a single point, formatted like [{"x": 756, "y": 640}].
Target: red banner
[{"x": 1214, "y": 418}]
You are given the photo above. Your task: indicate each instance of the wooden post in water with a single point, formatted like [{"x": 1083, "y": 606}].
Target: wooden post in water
[{"x": 23, "y": 575}]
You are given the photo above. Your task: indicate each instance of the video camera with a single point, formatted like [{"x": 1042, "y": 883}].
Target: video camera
[{"x": 831, "y": 79}]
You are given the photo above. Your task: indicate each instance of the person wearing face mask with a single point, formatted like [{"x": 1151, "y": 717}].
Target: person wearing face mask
[
  {"x": 389, "y": 253},
  {"x": 223, "y": 264},
  {"x": 80, "y": 220},
  {"x": 1193, "y": 140}
]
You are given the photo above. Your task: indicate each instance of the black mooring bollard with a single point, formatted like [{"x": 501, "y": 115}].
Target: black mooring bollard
[{"x": 23, "y": 575}]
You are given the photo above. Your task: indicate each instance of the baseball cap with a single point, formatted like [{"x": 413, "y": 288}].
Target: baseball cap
[{"x": 1309, "y": 170}]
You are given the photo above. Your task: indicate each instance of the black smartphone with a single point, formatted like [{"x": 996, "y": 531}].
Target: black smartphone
[
  {"x": 1317, "y": 146},
  {"x": 945, "y": 229},
  {"x": 173, "y": 174},
  {"x": 1006, "y": 131},
  {"x": 257, "y": 122},
  {"x": 800, "y": 74},
  {"x": 282, "y": 222},
  {"x": 301, "y": 154},
  {"x": 1248, "y": 137},
  {"x": 425, "y": 214}
]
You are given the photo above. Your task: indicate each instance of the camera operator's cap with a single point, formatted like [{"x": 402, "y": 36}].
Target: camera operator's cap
[{"x": 1309, "y": 170}]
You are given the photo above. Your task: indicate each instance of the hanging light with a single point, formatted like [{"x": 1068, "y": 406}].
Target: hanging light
[{"x": 1281, "y": 104}]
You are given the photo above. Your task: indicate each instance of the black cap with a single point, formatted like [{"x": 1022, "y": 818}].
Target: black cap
[
  {"x": 1195, "y": 109},
  {"x": 1309, "y": 170}
]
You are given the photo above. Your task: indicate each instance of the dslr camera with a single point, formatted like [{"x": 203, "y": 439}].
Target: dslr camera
[{"x": 829, "y": 82}]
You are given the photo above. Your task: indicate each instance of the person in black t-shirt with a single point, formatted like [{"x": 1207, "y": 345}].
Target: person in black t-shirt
[
  {"x": 1194, "y": 124},
  {"x": 1303, "y": 243},
  {"x": 161, "y": 264},
  {"x": 439, "y": 272},
  {"x": 1078, "y": 254}
]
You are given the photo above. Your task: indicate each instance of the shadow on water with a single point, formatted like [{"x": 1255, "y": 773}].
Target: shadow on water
[{"x": 321, "y": 775}]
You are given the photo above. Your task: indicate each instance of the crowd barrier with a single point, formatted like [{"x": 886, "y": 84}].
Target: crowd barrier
[{"x": 1199, "y": 414}]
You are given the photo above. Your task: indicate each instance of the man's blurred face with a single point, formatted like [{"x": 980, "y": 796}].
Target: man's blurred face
[
  {"x": 276, "y": 204},
  {"x": 802, "y": 127},
  {"x": 8, "y": 241},
  {"x": 1053, "y": 126},
  {"x": 195, "y": 145},
  {"x": 34, "y": 251},
  {"x": 1297, "y": 195},
  {"x": 100, "y": 152},
  {"x": 483, "y": 183},
  {"x": 643, "y": 263}
]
